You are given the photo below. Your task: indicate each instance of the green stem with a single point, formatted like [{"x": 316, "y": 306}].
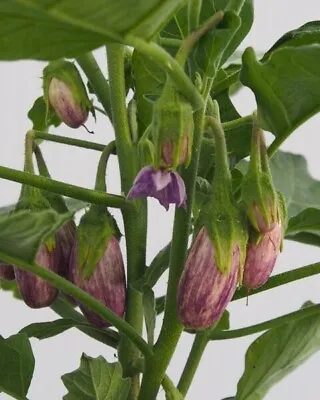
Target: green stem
[
  {"x": 105, "y": 336},
  {"x": 135, "y": 219},
  {"x": 194, "y": 11},
  {"x": 158, "y": 266},
  {"x": 29, "y": 142},
  {"x": 255, "y": 158},
  {"x": 281, "y": 279},
  {"x": 83, "y": 297},
  {"x": 193, "y": 38},
  {"x": 270, "y": 324},
  {"x": 237, "y": 123},
  {"x": 65, "y": 189},
  {"x": 49, "y": 137},
  {"x": 157, "y": 54},
  {"x": 102, "y": 166},
  {"x": 225, "y": 83},
  {"x": 171, "y": 391},
  {"x": 272, "y": 149},
  {"x": 199, "y": 344},
  {"x": 97, "y": 80},
  {"x": 273, "y": 282},
  {"x": 171, "y": 328},
  {"x": 222, "y": 175},
  {"x": 166, "y": 42}
]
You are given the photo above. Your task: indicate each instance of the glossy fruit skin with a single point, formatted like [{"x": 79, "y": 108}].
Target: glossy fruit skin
[
  {"x": 35, "y": 291},
  {"x": 107, "y": 282},
  {"x": 64, "y": 104},
  {"x": 204, "y": 291},
  {"x": 261, "y": 258}
]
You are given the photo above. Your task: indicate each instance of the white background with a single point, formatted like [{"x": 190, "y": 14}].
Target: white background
[{"x": 223, "y": 362}]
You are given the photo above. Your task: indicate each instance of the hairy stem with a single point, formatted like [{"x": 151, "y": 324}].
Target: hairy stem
[
  {"x": 171, "y": 328},
  {"x": 102, "y": 166},
  {"x": 199, "y": 344},
  {"x": 49, "y": 137},
  {"x": 270, "y": 324},
  {"x": 194, "y": 10},
  {"x": 65, "y": 189},
  {"x": 97, "y": 80},
  {"x": 106, "y": 336},
  {"x": 135, "y": 219}
]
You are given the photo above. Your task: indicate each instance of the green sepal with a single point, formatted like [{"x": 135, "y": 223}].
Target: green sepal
[
  {"x": 226, "y": 225},
  {"x": 172, "y": 123},
  {"x": 258, "y": 191},
  {"x": 95, "y": 229},
  {"x": 31, "y": 199},
  {"x": 283, "y": 210},
  {"x": 67, "y": 72},
  {"x": 146, "y": 148}
]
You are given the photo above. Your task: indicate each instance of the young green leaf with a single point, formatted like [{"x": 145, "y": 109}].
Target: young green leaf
[
  {"x": 96, "y": 379},
  {"x": 22, "y": 233},
  {"x": 37, "y": 115},
  {"x": 46, "y": 31},
  {"x": 307, "y": 220},
  {"x": 149, "y": 309},
  {"x": 277, "y": 353},
  {"x": 286, "y": 86},
  {"x": 16, "y": 366}
]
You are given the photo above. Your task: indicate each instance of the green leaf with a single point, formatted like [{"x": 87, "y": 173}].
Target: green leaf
[
  {"x": 11, "y": 286},
  {"x": 277, "y": 353},
  {"x": 73, "y": 205},
  {"x": 208, "y": 55},
  {"x": 16, "y": 366},
  {"x": 45, "y": 330},
  {"x": 291, "y": 177},
  {"x": 307, "y": 221},
  {"x": 308, "y": 33},
  {"x": 149, "y": 80},
  {"x": 149, "y": 310},
  {"x": 47, "y": 30},
  {"x": 286, "y": 86},
  {"x": 22, "y": 233},
  {"x": 96, "y": 379},
  {"x": 37, "y": 115}
]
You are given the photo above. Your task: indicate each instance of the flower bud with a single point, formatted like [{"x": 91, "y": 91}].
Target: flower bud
[
  {"x": 6, "y": 272},
  {"x": 35, "y": 291},
  {"x": 172, "y": 129},
  {"x": 204, "y": 291},
  {"x": 96, "y": 263},
  {"x": 166, "y": 186},
  {"x": 262, "y": 254},
  {"x": 65, "y": 94}
]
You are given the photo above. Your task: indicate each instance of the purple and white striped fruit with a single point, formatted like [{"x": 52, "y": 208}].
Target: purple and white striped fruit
[
  {"x": 107, "y": 283},
  {"x": 65, "y": 94},
  {"x": 262, "y": 255},
  {"x": 205, "y": 291},
  {"x": 35, "y": 291}
]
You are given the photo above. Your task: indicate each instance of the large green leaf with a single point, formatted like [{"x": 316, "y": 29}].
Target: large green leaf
[
  {"x": 21, "y": 233},
  {"x": 50, "y": 29},
  {"x": 275, "y": 354},
  {"x": 16, "y": 366},
  {"x": 291, "y": 176},
  {"x": 96, "y": 379},
  {"x": 286, "y": 86}
]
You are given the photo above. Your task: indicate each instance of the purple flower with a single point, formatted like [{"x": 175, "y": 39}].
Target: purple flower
[
  {"x": 261, "y": 258},
  {"x": 204, "y": 291},
  {"x": 166, "y": 186}
]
